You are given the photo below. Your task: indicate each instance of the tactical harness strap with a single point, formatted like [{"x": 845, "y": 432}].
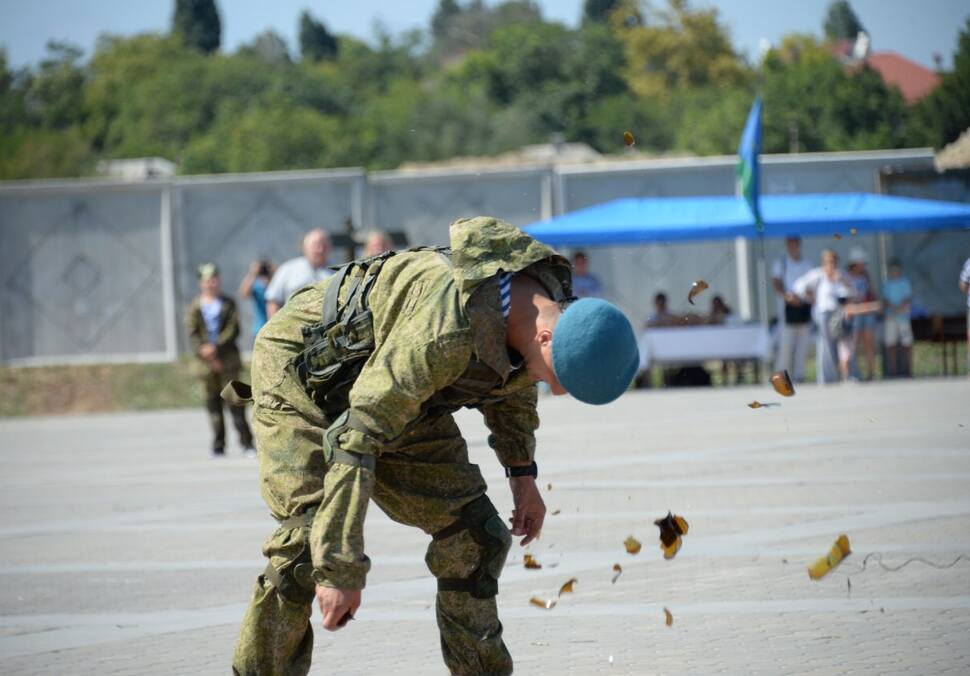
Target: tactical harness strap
[
  {"x": 300, "y": 520},
  {"x": 296, "y": 584}
]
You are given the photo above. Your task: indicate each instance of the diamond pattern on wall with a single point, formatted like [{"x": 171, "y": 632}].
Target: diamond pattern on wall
[{"x": 61, "y": 280}]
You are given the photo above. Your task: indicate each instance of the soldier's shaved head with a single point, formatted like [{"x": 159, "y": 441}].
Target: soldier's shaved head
[{"x": 532, "y": 319}]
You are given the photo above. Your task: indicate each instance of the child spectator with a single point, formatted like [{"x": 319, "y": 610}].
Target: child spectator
[{"x": 213, "y": 326}]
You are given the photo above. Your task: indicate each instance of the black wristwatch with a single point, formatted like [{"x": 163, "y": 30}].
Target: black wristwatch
[{"x": 530, "y": 470}]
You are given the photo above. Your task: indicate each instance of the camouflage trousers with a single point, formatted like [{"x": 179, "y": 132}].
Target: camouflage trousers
[
  {"x": 423, "y": 480},
  {"x": 212, "y": 385}
]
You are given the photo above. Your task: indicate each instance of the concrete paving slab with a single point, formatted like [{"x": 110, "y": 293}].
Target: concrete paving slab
[{"x": 124, "y": 549}]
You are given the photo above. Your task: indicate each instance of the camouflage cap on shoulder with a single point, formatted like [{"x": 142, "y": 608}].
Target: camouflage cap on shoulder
[{"x": 482, "y": 246}]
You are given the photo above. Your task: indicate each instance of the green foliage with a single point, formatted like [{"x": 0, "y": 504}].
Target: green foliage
[
  {"x": 196, "y": 23},
  {"x": 945, "y": 113},
  {"x": 598, "y": 11},
  {"x": 13, "y": 106},
  {"x": 268, "y": 46},
  {"x": 841, "y": 23},
  {"x": 711, "y": 119},
  {"x": 316, "y": 42},
  {"x": 457, "y": 30},
  {"x": 484, "y": 79},
  {"x": 811, "y": 97},
  {"x": 54, "y": 96},
  {"x": 265, "y": 139},
  {"x": 44, "y": 153},
  {"x": 675, "y": 48}
]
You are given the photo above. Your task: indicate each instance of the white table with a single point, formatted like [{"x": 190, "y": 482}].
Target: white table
[{"x": 694, "y": 344}]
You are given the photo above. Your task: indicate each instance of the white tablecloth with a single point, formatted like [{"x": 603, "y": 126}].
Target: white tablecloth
[{"x": 692, "y": 344}]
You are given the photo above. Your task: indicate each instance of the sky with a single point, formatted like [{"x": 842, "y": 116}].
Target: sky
[{"x": 916, "y": 30}]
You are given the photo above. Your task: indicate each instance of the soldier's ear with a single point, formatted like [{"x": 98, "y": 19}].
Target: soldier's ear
[{"x": 544, "y": 337}]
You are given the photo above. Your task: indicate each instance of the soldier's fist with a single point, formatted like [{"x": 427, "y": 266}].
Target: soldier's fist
[{"x": 337, "y": 606}]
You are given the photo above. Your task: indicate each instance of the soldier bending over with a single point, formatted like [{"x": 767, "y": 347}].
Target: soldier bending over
[{"x": 354, "y": 383}]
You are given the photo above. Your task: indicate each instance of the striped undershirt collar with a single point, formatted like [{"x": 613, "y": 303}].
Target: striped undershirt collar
[{"x": 505, "y": 291}]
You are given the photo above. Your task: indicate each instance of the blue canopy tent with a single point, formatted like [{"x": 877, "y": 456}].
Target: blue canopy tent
[{"x": 677, "y": 219}]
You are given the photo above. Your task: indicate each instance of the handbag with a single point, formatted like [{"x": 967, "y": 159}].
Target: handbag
[{"x": 839, "y": 326}]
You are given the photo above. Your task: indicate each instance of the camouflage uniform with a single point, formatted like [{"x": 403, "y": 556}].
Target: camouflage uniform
[
  {"x": 213, "y": 382},
  {"x": 326, "y": 448}
]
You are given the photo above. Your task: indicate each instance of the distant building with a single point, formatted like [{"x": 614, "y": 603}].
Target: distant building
[
  {"x": 137, "y": 169},
  {"x": 913, "y": 80}
]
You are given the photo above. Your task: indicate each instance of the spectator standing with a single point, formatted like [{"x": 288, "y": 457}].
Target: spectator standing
[
  {"x": 585, "y": 284},
  {"x": 296, "y": 273},
  {"x": 377, "y": 242},
  {"x": 898, "y": 331},
  {"x": 827, "y": 290},
  {"x": 794, "y": 314},
  {"x": 253, "y": 286},
  {"x": 661, "y": 315},
  {"x": 721, "y": 314},
  {"x": 965, "y": 287},
  {"x": 213, "y": 327},
  {"x": 863, "y": 333}
]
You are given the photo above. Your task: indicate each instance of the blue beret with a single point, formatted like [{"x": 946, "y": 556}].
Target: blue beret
[{"x": 594, "y": 351}]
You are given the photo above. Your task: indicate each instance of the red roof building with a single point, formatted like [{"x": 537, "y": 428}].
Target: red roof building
[{"x": 912, "y": 79}]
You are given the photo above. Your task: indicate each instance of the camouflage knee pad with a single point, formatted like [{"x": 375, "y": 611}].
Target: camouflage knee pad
[{"x": 483, "y": 523}]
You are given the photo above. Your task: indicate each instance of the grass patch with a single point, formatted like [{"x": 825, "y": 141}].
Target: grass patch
[{"x": 56, "y": 390}]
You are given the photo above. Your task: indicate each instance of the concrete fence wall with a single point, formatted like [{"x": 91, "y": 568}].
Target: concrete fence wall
[{"x": 98, "y": 271}]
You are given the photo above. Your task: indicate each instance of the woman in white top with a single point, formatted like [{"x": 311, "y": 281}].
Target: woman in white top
[{"x": 827, "y": 289}]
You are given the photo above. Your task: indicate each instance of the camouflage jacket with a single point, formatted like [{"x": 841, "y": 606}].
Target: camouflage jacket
[
  {"x": 225, "y": 342},
  {"x": 440, "y": 344}
]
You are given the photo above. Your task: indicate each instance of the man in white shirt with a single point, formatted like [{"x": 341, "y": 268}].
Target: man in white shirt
[
  {"x": 794, "y": 314},
  {"x": 296, "y": 273}
]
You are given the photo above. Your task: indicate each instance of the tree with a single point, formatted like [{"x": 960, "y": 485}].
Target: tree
[
  {"x": 265, "y": 138},
  {"x": 945, "y": 113},
  {"x": 44, "y": 153},
  {"x": 13, "y": 109},
  {"x": 55, "y": 95},
  {"x": 316, "y": 42},
  {"x": 675, "y": 48},
  {"x": 268, "y": 46},
  {"x": 841, "y": 23},
  {"x": 197, "y": 24},
  {"x": 441, "y": 19},
  {"x": 457, "y": 30},
  {"x": 809, "y": 96},
  {"x": 598, "y": 11}
]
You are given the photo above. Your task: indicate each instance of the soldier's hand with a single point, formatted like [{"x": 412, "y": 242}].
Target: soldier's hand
[
  {"x": 337, "y": 606},
  {"x": 530, "y": 510}
]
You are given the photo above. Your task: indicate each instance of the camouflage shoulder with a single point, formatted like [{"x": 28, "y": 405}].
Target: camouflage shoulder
[{"x": 484, "y": 245}]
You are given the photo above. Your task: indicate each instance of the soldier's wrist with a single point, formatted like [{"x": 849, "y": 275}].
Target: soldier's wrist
[
  {"x": 331, "y": 578},
  {"x": 521, "y": 471}
]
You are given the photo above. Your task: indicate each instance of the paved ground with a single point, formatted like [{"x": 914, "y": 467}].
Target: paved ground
[{"x": 125, "y": 550}]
